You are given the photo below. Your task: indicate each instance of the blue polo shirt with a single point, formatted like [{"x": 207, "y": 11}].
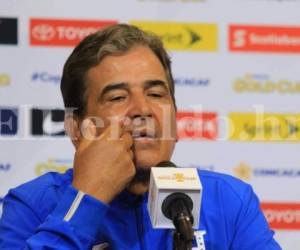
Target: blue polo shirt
[{"x": 48, "y": 213}]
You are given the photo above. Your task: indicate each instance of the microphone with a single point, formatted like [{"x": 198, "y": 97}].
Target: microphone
[
  {"x": 174, "y": 198},
  {"x": 177, "y": 207}
]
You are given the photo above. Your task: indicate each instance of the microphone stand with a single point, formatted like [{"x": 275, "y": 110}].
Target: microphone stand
[
  {"x": 179, "y": 243},
  {"x": 183, "y": 236},
  {"x": 178, "y": 207}
]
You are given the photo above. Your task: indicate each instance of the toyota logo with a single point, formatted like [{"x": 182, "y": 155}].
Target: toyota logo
[{"x": 43, "y": 32}]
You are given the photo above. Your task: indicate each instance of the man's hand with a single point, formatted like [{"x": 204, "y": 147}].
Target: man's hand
[{"x": 104, "y": 166}]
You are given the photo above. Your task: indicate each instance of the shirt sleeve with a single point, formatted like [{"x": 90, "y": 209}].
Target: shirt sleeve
[
  {"x": 73, "y": 224},
  {"x": 252, "y": 231}
]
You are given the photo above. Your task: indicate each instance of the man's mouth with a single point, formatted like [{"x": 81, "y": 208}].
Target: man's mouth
[{"x": 143, "y": 134}]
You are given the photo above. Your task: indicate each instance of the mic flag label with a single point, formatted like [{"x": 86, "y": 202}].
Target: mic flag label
[{"x": 167, "y": 180}]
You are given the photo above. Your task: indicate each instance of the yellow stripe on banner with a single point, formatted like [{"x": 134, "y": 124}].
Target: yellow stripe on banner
[
  {"x": 183, "y": 36},
  {"x": 264, "y": 127}
]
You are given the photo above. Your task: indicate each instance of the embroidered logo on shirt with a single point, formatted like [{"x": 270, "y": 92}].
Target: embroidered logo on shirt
[
  {"x": 199, "y": 237},
  {"x": 100, "y": 246}
]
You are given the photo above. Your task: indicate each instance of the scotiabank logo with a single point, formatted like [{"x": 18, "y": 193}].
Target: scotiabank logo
[
  {"x": 59, "y": 32},
  {"x": 264, "y": 38},
  {"x": 285, "y": 216},
  {"x": 193, "y": 125}
]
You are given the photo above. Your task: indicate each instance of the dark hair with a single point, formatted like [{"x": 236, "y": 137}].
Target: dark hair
[{"x": 115, "y": 39}]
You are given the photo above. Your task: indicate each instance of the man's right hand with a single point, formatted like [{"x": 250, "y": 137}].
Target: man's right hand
[{"x": 103, "y": 166}]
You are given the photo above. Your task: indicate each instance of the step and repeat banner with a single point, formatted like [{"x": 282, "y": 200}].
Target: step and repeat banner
[{"x": 236, "y": 65}]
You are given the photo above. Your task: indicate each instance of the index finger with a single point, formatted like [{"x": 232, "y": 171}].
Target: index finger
[
  {"x": 90, "y": 130},
  {"x": 88, "y": 133},
  {"x": 127, "y": 140},
  {"x": 115, "y": 129}
]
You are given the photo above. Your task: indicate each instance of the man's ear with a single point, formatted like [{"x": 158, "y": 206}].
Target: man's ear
[{"x": 72, "y": 128}]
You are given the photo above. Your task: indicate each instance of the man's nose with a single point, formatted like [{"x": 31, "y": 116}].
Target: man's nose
[{"x": 139, "y": 106}]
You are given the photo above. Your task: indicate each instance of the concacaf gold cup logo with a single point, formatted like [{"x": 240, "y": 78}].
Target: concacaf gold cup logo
[
  {"x": 53, "y": 165},
  {"x": 183, "y": 36},
  {"x": 243, "y": 171},
  {"x": 177, "y": 177},
  {"x": 264, "y": 127},
  {"x": 4, "y": 79},
  {"x": 264, "y": 84}
]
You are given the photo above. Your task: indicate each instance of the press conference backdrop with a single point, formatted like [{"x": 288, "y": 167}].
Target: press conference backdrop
[{"x": 237, "y": 72}]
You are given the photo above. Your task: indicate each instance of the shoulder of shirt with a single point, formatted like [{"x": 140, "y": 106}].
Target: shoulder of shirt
[
  {"x": 42, "y": 190},
  {"x": 227, "y": 182},
  {"x": 50, "y": 179}
]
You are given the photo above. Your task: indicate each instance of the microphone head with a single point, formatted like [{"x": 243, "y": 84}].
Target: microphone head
[
  {"x": 165, "y": 164},
  {"x": 176, "y": 203},
  {"x": 177, "y": 207},
  {"x": 184, "y": 184}
]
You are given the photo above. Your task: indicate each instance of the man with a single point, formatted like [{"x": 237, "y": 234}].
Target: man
[{"x": 119, "y": 85}]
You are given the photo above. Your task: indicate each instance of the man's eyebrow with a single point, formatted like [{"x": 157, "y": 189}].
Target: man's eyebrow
[
  {"x": 112, "y": 86},
  {"x": 153, "y": 83}
]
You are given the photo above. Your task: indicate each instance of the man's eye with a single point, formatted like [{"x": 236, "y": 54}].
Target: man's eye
[
  {"x": 155, "y": 94},
  {"x": 117, "y": 98}
]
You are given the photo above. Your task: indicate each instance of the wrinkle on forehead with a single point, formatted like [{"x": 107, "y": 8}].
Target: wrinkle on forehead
[{"x": 135, "y": 66}]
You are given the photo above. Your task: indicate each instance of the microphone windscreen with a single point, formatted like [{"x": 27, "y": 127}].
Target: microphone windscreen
[
  {"x": 166, "y": 180},
  {"x": 165, "y": 164}
]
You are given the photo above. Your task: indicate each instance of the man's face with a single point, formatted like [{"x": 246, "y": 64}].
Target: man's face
[{"x": 134, "y": 86}]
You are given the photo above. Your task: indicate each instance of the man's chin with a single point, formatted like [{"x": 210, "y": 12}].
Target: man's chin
[
  {"x": 140, "y": 182},
  {"x": 142, "y": 175}
]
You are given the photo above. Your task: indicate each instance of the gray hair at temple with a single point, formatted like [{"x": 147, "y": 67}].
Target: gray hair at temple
[{"x": 115, "y": 39}]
